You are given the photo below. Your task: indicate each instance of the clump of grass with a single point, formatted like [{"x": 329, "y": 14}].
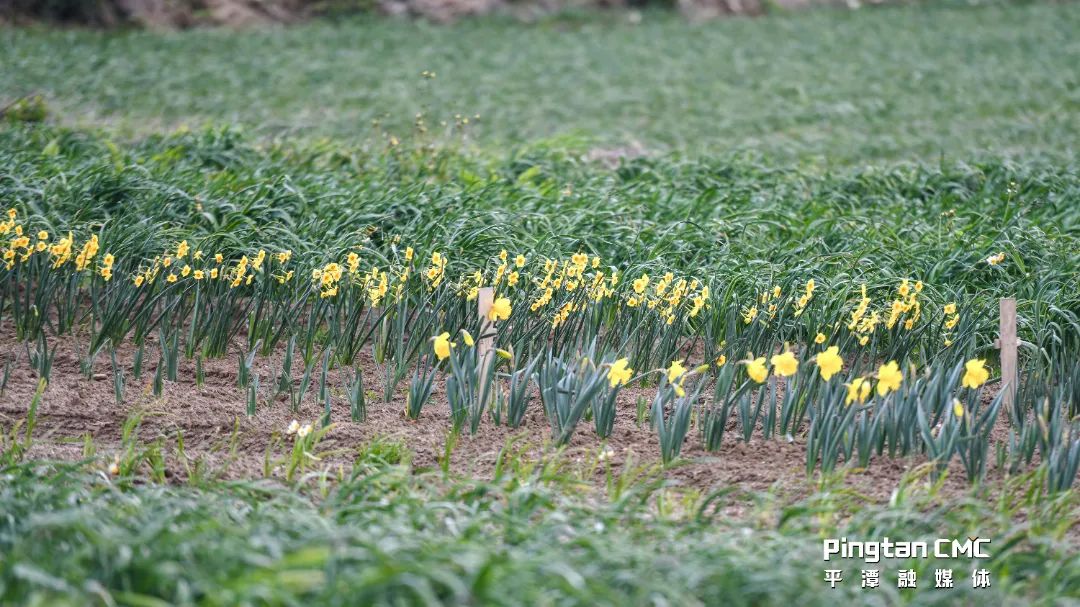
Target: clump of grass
[{"x": 436, "y": 533}]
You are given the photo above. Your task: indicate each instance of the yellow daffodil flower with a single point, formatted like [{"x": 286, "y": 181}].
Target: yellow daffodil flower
[
  {"x": 829, "y": 362},
  {"x": 442, "y": 346},
  {"x": 619, "y": 373},
  {"x": 785, "y": 364},
  {"x": 889, "y": 378},
  {"x": 857, "y": 391},
  {"x": 975, "y": 373},
  {"x": 675, "y": 371},
  {"x": 757, "y": 370},
  {"x": 500, "y": 309}
]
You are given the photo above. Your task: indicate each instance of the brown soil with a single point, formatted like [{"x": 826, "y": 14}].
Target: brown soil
[
  {"x": 244, "y": 13},
  {"x": 207, "y": 416}
]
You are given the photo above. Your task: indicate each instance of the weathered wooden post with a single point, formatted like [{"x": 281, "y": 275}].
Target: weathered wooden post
[
  {"x": 1007, "y": 343},
  {"x": 485, "y": 346}
]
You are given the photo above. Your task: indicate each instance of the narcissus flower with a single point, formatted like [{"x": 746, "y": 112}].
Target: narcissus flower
[
  {"x": 467, "y": 337},
  {"x": 750, "y": 315},
  {"x": 675, "y": 371},
  {"x": 858, "y": 390},
  {"x": 820, "y": 338},
  {"x": 957, "y": 408},
  {"x": 889, "y": 378},
  {"x": 106, "y": 266},
  {"x": 442, "y": 346},
  {"x": 785, "y": 364},
  {"x": 829, "y": 362},
  {"x": 500, "y": 309},
  {"x": 975, "y": 373},
  {"x": 721, "y": 360},
  {"x": 619, "y": 373},
  {"x": 757, "y": 370},
  {"x": 303, "y": 431}
]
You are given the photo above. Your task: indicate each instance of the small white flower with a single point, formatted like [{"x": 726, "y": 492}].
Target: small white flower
[
  {"x": 114, "y": 467},
  {"x": 605, "y": 454},
  {"x": 303, "y": 431},
  {"x": 294, "y": 427}
]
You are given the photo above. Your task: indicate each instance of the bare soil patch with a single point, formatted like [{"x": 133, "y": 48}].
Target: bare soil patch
[{"x": 209, "y": 416}]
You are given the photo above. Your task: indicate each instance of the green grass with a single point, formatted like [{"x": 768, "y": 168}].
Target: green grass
[
  {"x": 70, "y": 538},
  {"x": 826, "y": 87}
]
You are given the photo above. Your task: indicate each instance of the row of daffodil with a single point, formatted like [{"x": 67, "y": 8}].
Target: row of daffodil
[
  {"x": 864, "y": 321},
  {"x": 580, "y": 273},
  {"x": 24, "y": 244},
  {"x": 906, "y": 305},
  {"x": 889, "y": 376},
  {"x": 183, "y": 262},
  {"x": 829, "y": 362},
  {"x": 668, "y": 295}
]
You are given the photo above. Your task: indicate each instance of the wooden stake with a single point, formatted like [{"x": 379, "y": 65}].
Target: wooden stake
[
  {"x": 485, "y": 346},
  {"x": 1007, "y": 343}
]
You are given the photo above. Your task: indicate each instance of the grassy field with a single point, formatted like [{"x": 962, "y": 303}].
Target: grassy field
[
  {"x": 823, "y": 88},
  {"x": 384, "y": 535},
  {"x": 745, "y": 279}
]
